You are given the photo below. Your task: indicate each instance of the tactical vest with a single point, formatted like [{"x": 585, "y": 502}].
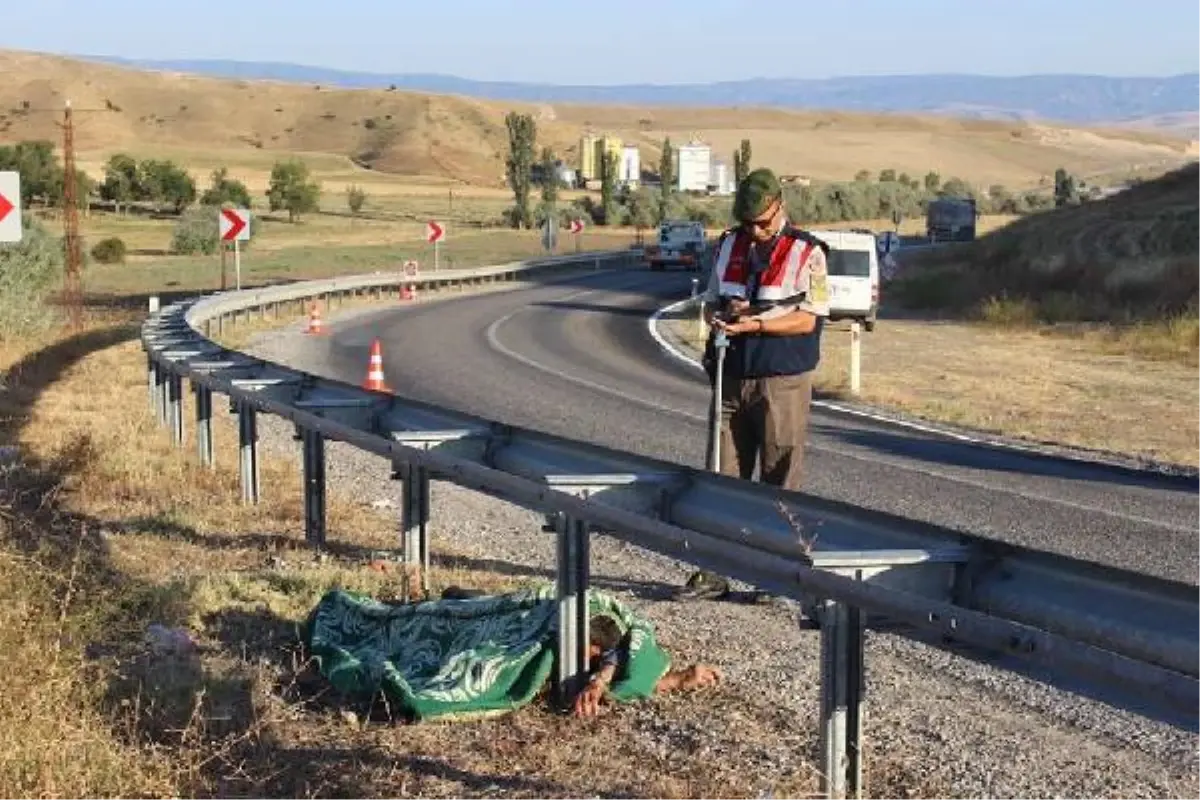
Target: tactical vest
[{"x": 753, "y": 355}]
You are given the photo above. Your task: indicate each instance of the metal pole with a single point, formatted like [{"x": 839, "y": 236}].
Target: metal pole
[
  {"x": 314, "y": 487},
  {"x": 573, "y": 612},
  {"x": 175, "y": 408},
  {"x": 414, "y": 518},
  {"x": 855, "y": 357},
  {"x": 842, "y": 689},
  {"x": 204, "y": 440},
  {"x": 720, "y": 342},
  {"x": 237, "y": 264},
  {"x": 248, "y": 452}
]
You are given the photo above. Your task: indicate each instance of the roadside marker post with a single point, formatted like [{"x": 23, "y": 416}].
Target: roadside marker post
[
  {"x": 855, "y": 357},
  {"x": 576, "y": 227},
  {"x": 234, "y": 226},
  {"x": 434, "y": 233}
]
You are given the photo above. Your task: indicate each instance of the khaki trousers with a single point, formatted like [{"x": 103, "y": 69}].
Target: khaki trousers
[{"x": 764, "y": 422}]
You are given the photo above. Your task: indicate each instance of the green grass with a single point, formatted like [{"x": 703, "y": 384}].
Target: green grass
[{"x": 202, "y": 273}]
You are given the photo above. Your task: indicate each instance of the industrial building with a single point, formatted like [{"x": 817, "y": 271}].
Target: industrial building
[
  {"x": 592, "y": 150},
  {"x": 693, "y": 167},
  {"x": 630, "y": 173},
  {"x": 722, "y": 180}
]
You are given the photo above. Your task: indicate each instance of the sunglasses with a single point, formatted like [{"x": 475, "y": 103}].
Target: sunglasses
[{"x": 763, "y": 222}]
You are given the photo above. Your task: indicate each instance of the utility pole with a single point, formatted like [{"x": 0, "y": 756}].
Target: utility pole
[{"x": 72, "y": 279}]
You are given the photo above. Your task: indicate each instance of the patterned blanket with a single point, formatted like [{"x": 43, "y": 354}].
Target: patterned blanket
[{"x": 463, "y": 658}]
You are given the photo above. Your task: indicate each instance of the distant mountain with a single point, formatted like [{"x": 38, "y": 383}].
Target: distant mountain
[{"x": 1079, "y": 99}]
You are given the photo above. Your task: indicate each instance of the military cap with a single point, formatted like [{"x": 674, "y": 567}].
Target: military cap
[{"x": 755, "y": 194}]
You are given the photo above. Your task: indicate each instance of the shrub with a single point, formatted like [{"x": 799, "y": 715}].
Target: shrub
[
  {"x": 29, "y": 270},
  {"x": 109, "y": 251}
]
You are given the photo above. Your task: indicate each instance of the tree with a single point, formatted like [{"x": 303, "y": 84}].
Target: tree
[
  {"x": 290, "y": 189},
  {"x": 549, "y": 177},
  {"x": 666, "y": 173},
  {"x": 355, "y": 198},
  {"x": 522, "y": 138},
  {"x": 957, "y": 187},
  {"x": 741, "y": 164},
  {"x": 1065, "y": 190},
  {"x": 223, "y": 189},
  {"x": 166, "y": 182},
  {"x": 120, "y": 185},
  {"x": 888, "y": 176},
  {"x": 609, "y": 170},
  {"x": 932, "y": 182},
  {"x": 41, "y": 174},
  {"x": 862, "y": 176}
]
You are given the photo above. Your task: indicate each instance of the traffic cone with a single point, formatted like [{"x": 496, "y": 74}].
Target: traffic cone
[
  {"x": 315, "y": 326},
  {"x": 375, "y": 381}
]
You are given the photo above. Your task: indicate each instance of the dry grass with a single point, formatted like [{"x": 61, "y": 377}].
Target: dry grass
[
  {"x": 1096, "y": 390},
  {"x": 206, "y": 122},
  {"x": 1130, "y": 258},
  {"x": 109, "y": 530}
]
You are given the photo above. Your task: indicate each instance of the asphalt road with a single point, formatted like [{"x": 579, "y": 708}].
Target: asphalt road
[{"x": 575, "y": 359}]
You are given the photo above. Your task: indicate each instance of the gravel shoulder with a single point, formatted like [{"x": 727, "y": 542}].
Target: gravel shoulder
[{"x": 937, "y": 723}]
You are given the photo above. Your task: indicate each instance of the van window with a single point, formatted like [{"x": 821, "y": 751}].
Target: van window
[{"x": 850, "y": 263}]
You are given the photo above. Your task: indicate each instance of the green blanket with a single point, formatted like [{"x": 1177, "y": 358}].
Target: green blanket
[{"x": 463, "y": 658}]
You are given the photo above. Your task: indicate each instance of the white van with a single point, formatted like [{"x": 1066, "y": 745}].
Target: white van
[
  {"x": 853, "y": 276},
  {"x": 680, "y": 243}
]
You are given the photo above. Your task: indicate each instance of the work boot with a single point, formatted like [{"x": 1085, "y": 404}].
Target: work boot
[{"x": 703, "y": 585}]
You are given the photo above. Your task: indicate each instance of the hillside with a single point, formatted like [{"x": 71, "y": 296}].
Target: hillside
[
  {"x": 1079, "y": 99},
  {"x": 1130, "y": 257},
  {"x": 204, "y": 121}
]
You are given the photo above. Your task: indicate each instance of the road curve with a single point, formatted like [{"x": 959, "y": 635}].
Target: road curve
[{"x": 574, "y": 358}]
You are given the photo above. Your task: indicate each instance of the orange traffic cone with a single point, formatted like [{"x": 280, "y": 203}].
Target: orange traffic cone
[
  {"x": 315, "y": 326},
  {"x": 374, "y": 381}
]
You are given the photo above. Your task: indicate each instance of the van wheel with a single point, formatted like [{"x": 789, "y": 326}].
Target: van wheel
[{"x": 869, "y": 324}]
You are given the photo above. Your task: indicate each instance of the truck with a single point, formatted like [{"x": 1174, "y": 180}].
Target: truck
[
  {"x": 950, "y": 219},
  {"x": 680, "y": 243}
]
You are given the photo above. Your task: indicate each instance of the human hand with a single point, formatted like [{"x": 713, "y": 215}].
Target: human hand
[
  {"x": 587, "y": 702},
  {"x": 740, "y": 326}
]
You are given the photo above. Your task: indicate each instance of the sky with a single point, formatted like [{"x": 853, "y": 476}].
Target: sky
[{"x": 627, "y": 41}]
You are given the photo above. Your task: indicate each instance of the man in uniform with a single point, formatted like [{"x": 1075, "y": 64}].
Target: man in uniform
[{"x": 768, "y": 291}]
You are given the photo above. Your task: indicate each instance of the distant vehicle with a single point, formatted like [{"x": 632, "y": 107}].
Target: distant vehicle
[
  {"x": 950, "y": 219},
  {"x": 853, "y": 265},
  {"x": 680, "y": 243}
]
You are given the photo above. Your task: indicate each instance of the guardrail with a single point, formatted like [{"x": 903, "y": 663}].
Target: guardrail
[{"x": 1077, "y": 620}]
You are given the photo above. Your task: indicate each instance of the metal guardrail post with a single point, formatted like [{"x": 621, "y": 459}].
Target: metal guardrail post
[
  {"x": 151, "y": 380},
  {"x": 414, "y": 518},
  {"x": 248, "y": 452},
  {"x": 164, "y": 379},
  {"x": 204, "y": 437},
  {"x": 843, "y": 684},
  {"x": 574, "y": 576},
  {"x": 314, "y": 487},
  {"x": 175, "y": 407}
]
